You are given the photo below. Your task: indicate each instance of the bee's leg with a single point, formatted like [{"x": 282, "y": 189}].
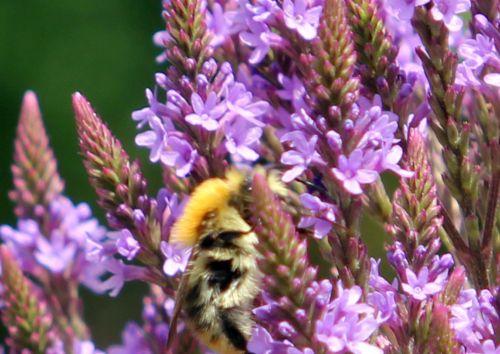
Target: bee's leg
[{"x": 231, "y": 326}]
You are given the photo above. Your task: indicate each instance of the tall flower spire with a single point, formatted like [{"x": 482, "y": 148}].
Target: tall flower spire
[
  {"x": 22, "y": 311},
  {"x": 463, "y": 176},
  {"x": 416, "y": 216},
  {"x": 333, "y": 83},
  {"x": 119, "y": 183},
  {"x": 375, "y": 49},
  {"x": 36, "y": 180},
  {"x": 289, "y": 279}
]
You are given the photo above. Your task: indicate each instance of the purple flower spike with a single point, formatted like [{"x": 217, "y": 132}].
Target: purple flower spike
[
  {"x": 298, "y": 17},
  {"x": 351, "y": 174},
  {"x": 206, "y": 113},
  {"x": 175, "y": 258}
]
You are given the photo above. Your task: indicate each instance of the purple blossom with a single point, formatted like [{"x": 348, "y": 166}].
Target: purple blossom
[
  {"x": 220, "y": 24},
  {"x": 447, "y": 10},
  {"x": 477, "y": 51},
  {"x": 293, "y": 91},
  {"x": 175, "y": 258},
  {"x": 262, "y": 342},
  {"x": 85, "y": 347},
  {"x": 126, "y": 244},
  {"x": 465, "y": 76},
  {"x": 378, "y": 127},
  {"x": 263, "y": 10},
  {"x": 55, "y": 254},
  {"x": 206, "y": 113},
  {"x": 160, "y": 39},
  {"x": 475, "y": 320},
  {"x": 261, "y": 39},
  {"x": 240, "y": 103},
  {"x": 351, "y": 172},
  {"x": 385, "y": 305},
  {"x": 167, "y": 148},
  {"x": 133, "y": 341},
  {"x": 145, "y": 115},
  {"x": 301, "y": 18},
  {"x": 421, "y": 287},
  {"x": 155, "y": 139},
  {"x": 403, "y": 9},
  {"x": 323, "y": 215},
  {"x": 180, "y": 156},
  {"x": 377, "y": 282},
  {"x": 348, "y": 324},
  {"x": 78, "y": 347},
  {"x": 62, "y": 245},
  {"x": 116, "y": 274},
  {"x": 389, "y": 160},
  {"x": 240, "y": 138},
  {"x": 303, "y": 153}
]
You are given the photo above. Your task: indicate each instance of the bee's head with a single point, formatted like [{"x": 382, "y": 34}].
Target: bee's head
[
  {"x": 205, "y": 202},
  {"x": 215, "y": 195}
]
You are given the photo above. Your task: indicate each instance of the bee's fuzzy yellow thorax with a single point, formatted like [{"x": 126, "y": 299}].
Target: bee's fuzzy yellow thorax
[{"x": 210, "y": 196}]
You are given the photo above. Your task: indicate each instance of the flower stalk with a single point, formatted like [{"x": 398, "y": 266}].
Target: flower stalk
[{"x": 462, "y": 176}]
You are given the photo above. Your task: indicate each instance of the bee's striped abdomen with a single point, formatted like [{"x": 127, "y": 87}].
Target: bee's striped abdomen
[
  {"x": 220, "y": 291},
  {"x": 222, "y": 274}
]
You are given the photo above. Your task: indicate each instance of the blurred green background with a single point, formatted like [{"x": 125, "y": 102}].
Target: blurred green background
[{"x": 104, "y": 50}]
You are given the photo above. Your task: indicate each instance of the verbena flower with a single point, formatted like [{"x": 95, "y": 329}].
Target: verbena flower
[
  {"x": 322, "y": 215},
  {"x": 302, "y": 18},
  {"x": 419, "y": 286},
  {"x": 447, "y": 10},
  {"x": 303, "y": 154},
  {"x": 206, "y": 113},
  {"x": 175, "y": 258},
  {"x": 260, "y": 39},
  {"x": 332, "y": 94},
  {"x": 475, "y": 321},
  {"x": 61, "y": 247},
  {"x": 348, "y": 324},
  {"x": 351, "y": 172},
  {"x": 404, "y": 8}
]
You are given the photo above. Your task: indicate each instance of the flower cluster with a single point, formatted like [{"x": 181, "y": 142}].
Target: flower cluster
[
  {"x": 344, "y": 326},
  {"x": 481, "y": 61},
  {"x": 326, "y": 97},
  {"x": 59, "y": 246},
  {"x": 475, "y": 320}
]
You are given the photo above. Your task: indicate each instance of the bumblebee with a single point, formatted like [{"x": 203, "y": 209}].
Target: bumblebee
[{"x": 220, "y": 283}]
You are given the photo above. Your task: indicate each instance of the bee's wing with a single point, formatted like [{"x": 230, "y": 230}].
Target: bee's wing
[{"x": 179, "y": 300}]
